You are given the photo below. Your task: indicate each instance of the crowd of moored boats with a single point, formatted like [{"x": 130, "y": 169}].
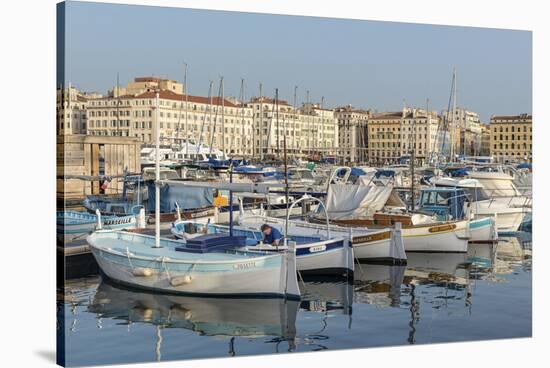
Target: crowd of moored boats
[{"x": 331, "y": 216}]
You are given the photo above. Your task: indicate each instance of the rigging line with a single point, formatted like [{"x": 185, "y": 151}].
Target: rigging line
[
  {"x": 204, "y": 116},
  {"x": 269, "y": 128},
  {"x": 213, "y": 127}
]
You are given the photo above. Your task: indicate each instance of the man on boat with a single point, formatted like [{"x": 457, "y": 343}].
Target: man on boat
[{"x": 271, "y": 235}]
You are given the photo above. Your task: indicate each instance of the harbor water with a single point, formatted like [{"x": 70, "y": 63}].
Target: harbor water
[{"x": 435, "y": 298}]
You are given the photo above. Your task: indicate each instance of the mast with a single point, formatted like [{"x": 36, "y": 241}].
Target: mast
[
  {"x": 308, "y": 125},
  {"x": 117, "y": 102},
  {"x": 244, "y": 140},
  {"x": 453, "y": 118},
  {"x": 260, "y": 128},
  {"x": 286, "y": 186},
  {"x": 223, "y": 119},
  {"x": 294, "y": 115},
  {"x": 212, "y": 124},
  {"x": 186, "y": 92},
  {"x": 277, "y": 120},
  {"x": 204, "y": 116},
  {"x": 412, "y": 158},
  {"x": 322, "y": 124},
  {"x": 157, "y": 171}
]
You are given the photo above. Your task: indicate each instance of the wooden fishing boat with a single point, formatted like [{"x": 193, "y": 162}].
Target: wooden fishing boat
[
  {"x": 318, "y": 255},
  {"x": 72, "y": 225},
  {"x": 208, "y": 266},
  {"x": 448, "y": 236},
  {"x": 383, "y": 245}
]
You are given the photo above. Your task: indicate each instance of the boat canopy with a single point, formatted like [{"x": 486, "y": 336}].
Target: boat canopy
[
  {"x": 495, "y": 184},
  {"x": 346, "y": 201},
  {"x": 186, "y": 197}
]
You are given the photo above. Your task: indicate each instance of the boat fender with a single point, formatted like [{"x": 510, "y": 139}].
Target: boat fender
[
  {"x": 181, "y": 280},
  {"x": 142, "y": 272}
]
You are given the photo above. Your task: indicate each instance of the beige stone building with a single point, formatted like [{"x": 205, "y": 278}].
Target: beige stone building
[
  {"x": 394, "y": 134},
  {"x": 352, "y": 134},
  {"x": 310, "y": 130},
  {"x": 212, "y": 121},
  {"x": 511, "y": 137},
  {"x": 147, "y": 84},
  {"x": 467, "y": 130},
  {"x": 71, "y": 111},
  {"x": 485, "y": 140}
]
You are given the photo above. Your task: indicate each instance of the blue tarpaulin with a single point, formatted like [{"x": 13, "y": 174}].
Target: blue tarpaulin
[
  {"x": 524, "y": 165},
  {"x": 457, "y": 172},
  {"x": 186, "y": 197},
  {"x": 387, "y": 173},
  {"x": 356, "y": 171}
]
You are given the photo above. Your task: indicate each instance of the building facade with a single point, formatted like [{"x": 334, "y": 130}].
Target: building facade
[
  {"x": 310, "y": 130},
  {"x": 71, "y": 111},
  {"x": 485, "y": 149},
  {"x": 352, "y": 134},
  {"x": 214, "y": 121},
  {"x": 393, "y": 135},
  {"x": 467, "y": 135},
  {"x": 147, "y": 84},
  {"x": 511, "y": 137}
]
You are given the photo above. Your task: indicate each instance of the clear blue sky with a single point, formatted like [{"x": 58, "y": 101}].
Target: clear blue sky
[{"x": 364, "y": 63}]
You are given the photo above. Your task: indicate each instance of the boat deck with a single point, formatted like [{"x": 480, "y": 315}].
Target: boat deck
[{"x": 143, "y": 246}]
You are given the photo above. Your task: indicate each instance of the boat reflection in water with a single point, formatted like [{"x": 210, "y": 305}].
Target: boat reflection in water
[
  {"x": 232, "y": 317},
  {"x": 324, "y": 294}
]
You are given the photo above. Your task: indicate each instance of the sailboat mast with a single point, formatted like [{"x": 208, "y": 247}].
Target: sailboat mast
[
  {"x": 186, "y": 91},
  {"x": 308, "y": 125},
  {"x": 260, "y": 128},
  {"x": 322, "y": 124},
  {"x": 412, "y": 158},
  {"x": 244, "y": 140},
  {"x": 157, "y": 171},
  {"x": 117, "y": 102},
  {"x": 453, "y": 127},
  {"x": 294, "y": 115},
  {"x": 277, "y": 120},
  {"x": 223, "y": 119},
  {"x": 286, "y": 185}
]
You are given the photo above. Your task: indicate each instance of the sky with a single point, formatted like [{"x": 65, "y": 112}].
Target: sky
[{"x": 368, "y": 64}]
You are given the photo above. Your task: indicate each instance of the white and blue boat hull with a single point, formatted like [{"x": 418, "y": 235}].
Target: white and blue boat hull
[{"x": 132, "y": 260}]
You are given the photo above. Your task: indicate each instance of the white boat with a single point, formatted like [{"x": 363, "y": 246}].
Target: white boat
[
  {"x": 72, "y": 225},
  {"x": 209, "y": 265},
  {"x": 318, "y": 255},
  {"x": 453, "y": 203},
  {"x": 369, "y": 245},
  {"x": 379, "y": 206},
  {"x": 447, "y": 237},
  {"x": 134, "y": 260},
  {"x": 507, "y": 211}
]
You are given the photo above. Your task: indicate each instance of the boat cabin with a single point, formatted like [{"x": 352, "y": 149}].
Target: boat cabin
[{"x": 445, "y": 203}]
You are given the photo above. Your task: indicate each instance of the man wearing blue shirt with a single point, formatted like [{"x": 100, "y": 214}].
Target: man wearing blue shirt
[{"x": 271, "y": 235}]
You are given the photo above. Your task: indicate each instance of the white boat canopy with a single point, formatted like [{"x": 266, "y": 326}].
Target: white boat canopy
[{"x": 346, "y": 201}]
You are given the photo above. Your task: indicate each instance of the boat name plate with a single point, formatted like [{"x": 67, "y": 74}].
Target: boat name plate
[
  {"x": 441, "y": 228},
  {"x": 318, "y": 248},
  {"x": 371, "y": 238}
]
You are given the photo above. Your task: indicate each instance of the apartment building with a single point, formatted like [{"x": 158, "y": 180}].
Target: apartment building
[
  {"x": 310, "y": 129},
  {"x": 393, "y": 135},
  {"x": 214, "y": 121},
  {"x": 467, "y": 130},
  {"x": 511, "y": 137},
  {"x": 71, "y": 111},
  {"x": 352, "y": 134},
  {"x": 147, "y": 84}
]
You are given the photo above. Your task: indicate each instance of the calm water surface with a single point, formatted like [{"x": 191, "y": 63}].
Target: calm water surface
[{"x": 485, "y": 294}]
